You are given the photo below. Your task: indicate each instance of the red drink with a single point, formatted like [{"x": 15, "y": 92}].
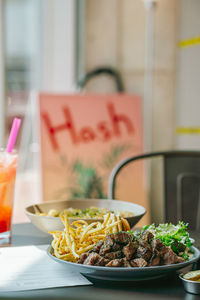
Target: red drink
[{"x": 8, "y": 164}]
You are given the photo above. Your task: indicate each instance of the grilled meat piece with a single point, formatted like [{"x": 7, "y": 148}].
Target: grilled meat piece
[
  {"x": 170, "y": 257},
  {"x": 143, "y": 244},
  {"x": 122, "y": 262},
  {"x": 122, "y": 237},
  {"x": 129, "y": 250},
  {"x": 83, "y": 257},
  {"x": 97, "y": 247},
  {"x": 113, "y": 255},
  {"x": 144, "y": 252},
  {"x": 155, "y": 259},
  {"x": 126, "y": 263},
  {"x": 115, "y": 263},
  {"x": 167, "y": 255},
  {"x": 138, "y": 263},
  {"x": 94, "y": 259},
  {"x": 160, "y": 246},
  {"x": 117, "y": 247},
  {"x": 107, "y": 245},
  {"x": 147, "y": 236},
  {"x": 105, "y": 249},
  {"x": 180, "y": 259},
  {"x": 109, "y": 240}
]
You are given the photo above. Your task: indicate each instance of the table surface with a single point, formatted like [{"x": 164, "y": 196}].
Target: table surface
[{"x": 165, "y": 288}]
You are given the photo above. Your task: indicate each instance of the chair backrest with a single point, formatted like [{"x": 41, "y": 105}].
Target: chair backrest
[{"x": 181, "y": 171}]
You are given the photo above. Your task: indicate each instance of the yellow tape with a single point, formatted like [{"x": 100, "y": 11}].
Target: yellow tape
[
  {"x": 189, "y": 42},
  {"x": 188, "y": 130}
]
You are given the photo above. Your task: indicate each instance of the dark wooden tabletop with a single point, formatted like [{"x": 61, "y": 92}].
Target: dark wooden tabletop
[{"x": 165, "y": 288}]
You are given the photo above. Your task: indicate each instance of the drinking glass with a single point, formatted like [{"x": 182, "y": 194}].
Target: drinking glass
[{"x": 8, "y": 164}]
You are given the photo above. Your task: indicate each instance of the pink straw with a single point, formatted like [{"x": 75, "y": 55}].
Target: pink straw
[{"x": 13, "y": 134}]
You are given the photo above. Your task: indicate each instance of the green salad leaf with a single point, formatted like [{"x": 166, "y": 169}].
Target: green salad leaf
[{"x": 175, "y": 236}]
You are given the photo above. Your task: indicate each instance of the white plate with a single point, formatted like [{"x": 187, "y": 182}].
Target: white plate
[{"x": 125, "y": 274}]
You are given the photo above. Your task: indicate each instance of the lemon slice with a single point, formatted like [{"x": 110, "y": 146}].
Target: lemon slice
[{"x": 194, "y": 275}]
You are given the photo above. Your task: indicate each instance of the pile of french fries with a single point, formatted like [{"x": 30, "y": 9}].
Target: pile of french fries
[{"x": 80, "y": 237}]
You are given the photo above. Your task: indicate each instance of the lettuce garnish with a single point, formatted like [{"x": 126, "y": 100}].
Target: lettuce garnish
[{"x": 175, "y": 236}]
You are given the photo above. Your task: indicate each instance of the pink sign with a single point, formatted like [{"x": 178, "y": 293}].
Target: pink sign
[{"x": 82, "y": 139}]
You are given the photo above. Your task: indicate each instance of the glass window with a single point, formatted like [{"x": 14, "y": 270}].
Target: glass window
[
  {"x": 39, "y": 43},
  {"x": 22, "y": 54}
]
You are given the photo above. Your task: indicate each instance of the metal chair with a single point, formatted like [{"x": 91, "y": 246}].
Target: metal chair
[{"x": 181, "y": 172}]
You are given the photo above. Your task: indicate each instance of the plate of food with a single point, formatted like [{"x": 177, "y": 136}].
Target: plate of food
[
  {"x": 110, "y": 251},
  {"x": 46, "y": 216}
]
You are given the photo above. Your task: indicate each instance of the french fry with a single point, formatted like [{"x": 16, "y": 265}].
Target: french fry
[
  {"x": 106, "y": 218},
  {"x": 85, "y": 249},
  {"x": 112, "y": 225},
  {"x": 125, "y": 224},
  {"x": 79, "y": 223},
  {"x": 86, "y": 230},
  {"x": 120, "y": 224},
  {"x": 115, "y": 227}
]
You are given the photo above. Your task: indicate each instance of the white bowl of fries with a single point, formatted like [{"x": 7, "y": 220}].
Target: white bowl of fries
[{"x": 38, "y": 213}]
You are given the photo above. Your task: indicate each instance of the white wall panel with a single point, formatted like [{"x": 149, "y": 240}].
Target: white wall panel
[{"x": 188, "y": 77}]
